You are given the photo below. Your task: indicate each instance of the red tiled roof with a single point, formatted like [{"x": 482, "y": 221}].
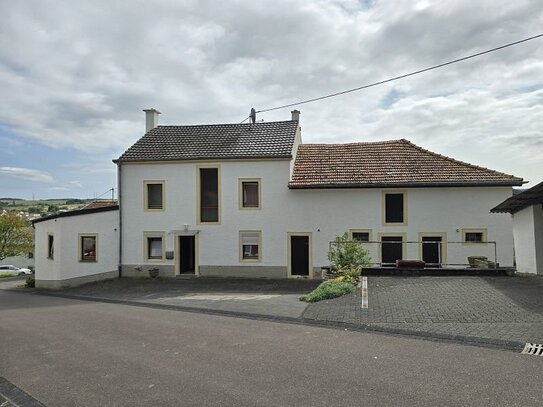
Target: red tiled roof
[
  {"x": 100, "y": 204},
  {"x": 386, "y": 163}
]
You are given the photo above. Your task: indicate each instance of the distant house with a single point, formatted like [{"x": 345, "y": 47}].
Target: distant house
[
  {"x": 252, "y": 200},
  {"x": 526, "y": 210}
]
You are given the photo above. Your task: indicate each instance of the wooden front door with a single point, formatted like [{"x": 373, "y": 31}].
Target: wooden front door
[
  {"x": 432, "y": 250},
  {"x": 187, "y": 254},
  {"x": 391, "y": 250},
  {"x": 299, "y": 255}
]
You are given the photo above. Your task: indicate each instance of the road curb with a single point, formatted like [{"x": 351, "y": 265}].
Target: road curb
[
  {"x": 408, "y": 333},
  {"x": 12, "y": 396}
]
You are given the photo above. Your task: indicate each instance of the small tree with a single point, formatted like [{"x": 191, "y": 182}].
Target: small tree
[
  {"x": 16, "y": 237},
  {"x": 347, "y": 253}
]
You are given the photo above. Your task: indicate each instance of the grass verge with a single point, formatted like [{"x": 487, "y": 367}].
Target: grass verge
[
  {"x": 6, "y": 275},
  {"x": 327, "y": 290}
]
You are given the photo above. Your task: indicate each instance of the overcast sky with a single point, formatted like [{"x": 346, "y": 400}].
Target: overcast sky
[{"x": 75, "y": 75}]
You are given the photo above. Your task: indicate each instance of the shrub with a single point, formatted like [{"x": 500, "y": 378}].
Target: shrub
[
  {"x": 346, "y": 253},
  {"x": 327, "y": 290},
  {"x": 30, "y": 282},
  {"x": 349, "y": 274}
]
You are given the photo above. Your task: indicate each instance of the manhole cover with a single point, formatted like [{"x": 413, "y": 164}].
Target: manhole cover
[{"x": 533, "y": 349}]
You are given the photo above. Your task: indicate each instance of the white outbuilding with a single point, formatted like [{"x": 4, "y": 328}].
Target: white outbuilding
[
  {"x": 77, "y": 247},
  {"x": 526, "y": 209}
]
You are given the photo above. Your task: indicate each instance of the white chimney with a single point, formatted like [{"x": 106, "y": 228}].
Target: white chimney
[
  {"x": 151, "y": 119},
  {"x": 295, "y": 115}
]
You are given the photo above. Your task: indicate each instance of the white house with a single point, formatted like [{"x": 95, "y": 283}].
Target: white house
[
  {"x": 252, "y": 200},
  {"x": 526, "y": 210}
]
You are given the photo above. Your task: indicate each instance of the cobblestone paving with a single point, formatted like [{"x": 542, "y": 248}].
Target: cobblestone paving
[{"x": 497, "y": 308}]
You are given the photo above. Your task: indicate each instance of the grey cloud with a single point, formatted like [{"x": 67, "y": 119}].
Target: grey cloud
[
  {"x": 77, "y": 75},
  {"x": 27, "y": 174}
]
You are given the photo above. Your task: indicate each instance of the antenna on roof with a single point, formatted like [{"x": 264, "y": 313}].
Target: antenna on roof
[{"x": 252, "y": 115}]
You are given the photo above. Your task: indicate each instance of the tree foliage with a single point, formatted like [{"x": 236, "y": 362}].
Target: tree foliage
[
  {"x": 347, "y": 253},
  {"x": 16, "y": 236}
]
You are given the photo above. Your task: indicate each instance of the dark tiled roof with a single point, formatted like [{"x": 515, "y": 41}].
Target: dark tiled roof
[
  {"x": 222, "y": 141},
  {"x": 387, "y": 163},
  {"x": 532, "y": 196}
]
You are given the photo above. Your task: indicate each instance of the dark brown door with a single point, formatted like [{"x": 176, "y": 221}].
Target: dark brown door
[
  {"x": 187, "y": 250},
  {"x": 391, "y": 250},
  {"x": 299, "y": 255},
  {"x": 431, "y": 250}
]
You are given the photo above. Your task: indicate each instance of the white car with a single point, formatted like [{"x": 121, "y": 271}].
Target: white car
[{"x": 12, "y": 269}]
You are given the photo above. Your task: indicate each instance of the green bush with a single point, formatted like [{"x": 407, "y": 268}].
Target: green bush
[
  {"x": 30, "y": 282},
  {"x": 327, "y": 290},
  {"x": 349, "y": 274},
  {"x": 346, "y": 253}
]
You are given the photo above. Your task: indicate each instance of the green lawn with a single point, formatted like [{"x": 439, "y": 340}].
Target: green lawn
[{"x": 7, "y": 274}]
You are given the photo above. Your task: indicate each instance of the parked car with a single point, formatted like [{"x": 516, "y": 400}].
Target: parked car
[{"x": 12, "y": 269}]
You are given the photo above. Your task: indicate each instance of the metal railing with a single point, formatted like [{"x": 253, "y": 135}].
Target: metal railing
[{"x": 445, "y": 250}]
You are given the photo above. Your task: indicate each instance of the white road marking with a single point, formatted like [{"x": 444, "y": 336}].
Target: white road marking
[{"x": 364, "y": 292}]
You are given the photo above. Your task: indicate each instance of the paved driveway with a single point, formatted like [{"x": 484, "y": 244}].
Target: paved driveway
[
  {"x": 277, "y": 298},
  {"x": 497, "y": 311},
  {"x": 481, "y": 308}
]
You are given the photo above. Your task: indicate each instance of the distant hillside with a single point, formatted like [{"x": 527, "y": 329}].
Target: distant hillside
[{"x": 42, "y": 206}]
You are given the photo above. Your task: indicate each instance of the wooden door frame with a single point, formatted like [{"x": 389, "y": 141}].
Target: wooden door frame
[{"x": 310, "y": 254}]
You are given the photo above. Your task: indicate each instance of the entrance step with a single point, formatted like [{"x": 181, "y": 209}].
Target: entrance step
[{"x": 185, "y": 276}]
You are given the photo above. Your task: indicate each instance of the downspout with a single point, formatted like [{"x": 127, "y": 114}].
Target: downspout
[{"x": 119, "y": 194}]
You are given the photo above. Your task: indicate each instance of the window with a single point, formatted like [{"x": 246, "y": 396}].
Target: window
[
  {"x": 249, "y": 193},
  {"x": 50, "y": 246},
  {"x": 154, "y": 195},
  {"x": 474, "y": 236},
  {"x": 361, "y": 235},
  {"x": 87, "y": 248},
  {"x": 209, "y": 195},
  {"x": 395, "y": 208},
  {"x": 154, "y": 246},
  {"x": 250, "y": 242}
]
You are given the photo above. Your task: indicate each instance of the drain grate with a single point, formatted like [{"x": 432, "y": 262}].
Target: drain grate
[{"x": 533, "y": 349}]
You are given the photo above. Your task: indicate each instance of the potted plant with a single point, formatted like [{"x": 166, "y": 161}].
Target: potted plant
[{"x": 153, "y": 272}]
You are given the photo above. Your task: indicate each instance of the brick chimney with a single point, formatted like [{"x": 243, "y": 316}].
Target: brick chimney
[
  {"x": 295, "y": 115},
  {"x": 151, "y": 119}
]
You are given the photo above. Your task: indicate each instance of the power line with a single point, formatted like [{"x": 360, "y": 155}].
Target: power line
[{"x": 400, "y": 76}]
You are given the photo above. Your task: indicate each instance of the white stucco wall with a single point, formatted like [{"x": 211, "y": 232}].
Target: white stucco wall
[
  {"x": 528, "y": 235},
  {"x": 66, "y": 263},
  {"x": 323, "y": 213}
]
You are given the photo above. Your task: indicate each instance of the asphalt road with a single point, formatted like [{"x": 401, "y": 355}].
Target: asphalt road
[{"x": 76, "y": 353}]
